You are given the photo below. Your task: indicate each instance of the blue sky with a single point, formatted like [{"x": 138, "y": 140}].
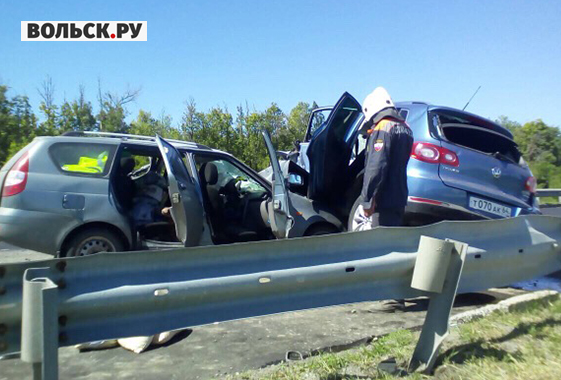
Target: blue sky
[{"x": 228, "y": 53}]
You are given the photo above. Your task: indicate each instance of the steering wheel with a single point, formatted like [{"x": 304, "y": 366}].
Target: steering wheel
[{"x": 230, "y": 188}]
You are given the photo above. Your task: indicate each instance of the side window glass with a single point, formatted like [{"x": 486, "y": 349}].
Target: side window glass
[
  {"x": 317, "y": 120},
  {"x": 346, "y": 116},
  {"x": 403, "y": 112},
  {"x": 229, "y": 175},
  {"x": 81, "y": 158},
  {"x": 360, "y": 145}
]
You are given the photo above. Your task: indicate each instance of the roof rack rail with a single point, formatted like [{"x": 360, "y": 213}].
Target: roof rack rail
[{"x": 126, "y": 136}]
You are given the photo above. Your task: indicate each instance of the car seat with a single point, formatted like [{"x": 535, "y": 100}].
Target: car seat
[
  {"x": 225, "y": 231},
  {"x": 123, "y": 185}
]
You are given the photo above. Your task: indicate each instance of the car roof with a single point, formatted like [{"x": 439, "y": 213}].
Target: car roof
[
  {"x": 476, "y": 119},
  {"x": 119, "y": 138}
]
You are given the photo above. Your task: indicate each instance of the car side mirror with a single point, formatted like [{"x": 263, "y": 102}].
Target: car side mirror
[{"x": 295, "y": 180}]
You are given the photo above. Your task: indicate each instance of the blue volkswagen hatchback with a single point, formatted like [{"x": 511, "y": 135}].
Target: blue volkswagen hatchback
[{"x": 462, "y": 166}]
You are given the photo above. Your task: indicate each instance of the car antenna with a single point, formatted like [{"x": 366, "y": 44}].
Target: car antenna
[{"x": 463, "y": 109}]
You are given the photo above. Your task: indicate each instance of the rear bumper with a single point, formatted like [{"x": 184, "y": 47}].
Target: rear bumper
[
  {"x": 33, "y": 230},
  {"x": 419, "y": 212}
]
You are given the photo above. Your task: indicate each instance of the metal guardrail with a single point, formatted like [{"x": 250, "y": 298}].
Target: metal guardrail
[
  {"x": 114, "y": 295},
  {"x": 550, "y": 193}
]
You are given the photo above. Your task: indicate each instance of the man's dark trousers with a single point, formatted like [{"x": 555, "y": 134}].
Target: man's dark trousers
[{"x": 392, "y": 217}]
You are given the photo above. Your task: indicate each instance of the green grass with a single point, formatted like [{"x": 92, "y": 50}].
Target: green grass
[{"x": 523, "y": 344}]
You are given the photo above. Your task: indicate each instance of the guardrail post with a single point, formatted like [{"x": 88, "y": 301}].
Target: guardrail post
[
  {"x": 39, "y": 328},
  {"x": 437, "y": 271}
]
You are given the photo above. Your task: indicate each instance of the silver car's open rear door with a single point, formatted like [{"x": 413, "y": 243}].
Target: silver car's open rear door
[{"x": 186, "y": 207}]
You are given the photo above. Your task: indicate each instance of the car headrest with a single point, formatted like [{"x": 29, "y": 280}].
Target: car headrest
[
  {"x": 211, "y": 173},
  {"x": 127, "y": 165}
]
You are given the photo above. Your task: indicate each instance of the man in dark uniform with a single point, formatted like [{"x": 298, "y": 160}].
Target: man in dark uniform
[{"x": 384, "y": 190}]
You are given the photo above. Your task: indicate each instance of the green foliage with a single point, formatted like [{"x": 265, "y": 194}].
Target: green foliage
[
  {"x": 18, "y": 124},
  {"x": 216, "y": 128},
  {"x": 540, "y": 145},
  {"x": 77, "y": 116},
  {"x": 239, "y": 133}
]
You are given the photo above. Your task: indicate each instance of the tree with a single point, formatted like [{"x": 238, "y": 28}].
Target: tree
[
  {"x": 18, "y": 124},
  {"x": 112, "y": 110},
  {"x": 298, "y": 122},
  {"x": 190, "y": 122},
  {"x": 511, "y": 125},
  {"x": 78, "y": 115},
  {"x": 540, "y": 145},
  {"x": 24, "y": 124},
  {"x": 146, "y": 125},
  {"x": 539, "y": 142},
  {"x": 51, "y": 124}
]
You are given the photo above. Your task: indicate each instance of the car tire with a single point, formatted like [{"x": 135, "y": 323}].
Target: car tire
[
  {"x": 357, "y": 220},
  {"x": 321, "y": 229},
  {"x": 93, "y": 240}
]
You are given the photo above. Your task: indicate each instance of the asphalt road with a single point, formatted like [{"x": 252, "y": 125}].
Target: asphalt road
[
  {"x": 553, "y": 210},
  {"x": 11, "y": 254}
]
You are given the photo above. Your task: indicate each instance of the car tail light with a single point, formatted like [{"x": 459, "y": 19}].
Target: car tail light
[
  {"x": 434, "y": 154},
  {"x": 16, "y": 179},
  {"x": 531, "y": 185},
  {"x": 425, "y": 152},
  {"x": 447, "y": 157}
]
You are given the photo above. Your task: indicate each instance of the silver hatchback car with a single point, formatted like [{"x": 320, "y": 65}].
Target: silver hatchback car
[{"x": 87, "y": 192}]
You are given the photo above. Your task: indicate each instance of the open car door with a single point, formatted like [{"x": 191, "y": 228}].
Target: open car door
[
  {"x": 330, "y": 149},
  {"x": 279, "y": 208},
  {"x": 186, "y": 207}
]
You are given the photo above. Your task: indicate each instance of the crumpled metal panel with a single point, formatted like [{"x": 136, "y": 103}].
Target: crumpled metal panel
[{"x": 113, "y": 295}]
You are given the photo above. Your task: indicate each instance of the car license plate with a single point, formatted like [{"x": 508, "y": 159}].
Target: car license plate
[{"x": 490, "y": 207}]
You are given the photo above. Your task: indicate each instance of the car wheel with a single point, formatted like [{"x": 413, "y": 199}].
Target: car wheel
[
  {"x": 357, "y": 220},
  {"x": 321, "y": 229},
  {"x": 93, "y": 240}
]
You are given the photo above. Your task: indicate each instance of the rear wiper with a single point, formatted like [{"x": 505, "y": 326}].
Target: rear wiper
[{"x": 503, "y": 157}]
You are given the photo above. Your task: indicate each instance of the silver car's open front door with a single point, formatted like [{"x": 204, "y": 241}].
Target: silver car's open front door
[
  {"x": 279, "y": 208},
  {"x": 186, "y": 207}
]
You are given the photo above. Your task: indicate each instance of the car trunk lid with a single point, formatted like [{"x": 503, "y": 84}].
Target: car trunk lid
[{"x": 490, "y": 164}]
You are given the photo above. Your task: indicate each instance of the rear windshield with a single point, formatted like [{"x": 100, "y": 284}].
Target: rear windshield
[
  {"x": 478, "y": 137},
  {"x": 81, "y": 158}
]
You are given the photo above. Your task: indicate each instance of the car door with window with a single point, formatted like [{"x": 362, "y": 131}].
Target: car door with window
[
  {"x": 279, "y": 208},
  {"x": 330, "y": 150},
  {"x": 186, "y": 207}
]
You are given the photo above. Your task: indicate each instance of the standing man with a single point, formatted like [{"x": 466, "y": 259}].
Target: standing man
[{"x": 390, "y": 139}]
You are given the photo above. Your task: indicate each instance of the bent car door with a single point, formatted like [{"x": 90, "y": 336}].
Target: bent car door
[
  {"x": 279, "y": 208},
  {"x": 330, "y": 149},
  {"x": 186, "y": 207}
]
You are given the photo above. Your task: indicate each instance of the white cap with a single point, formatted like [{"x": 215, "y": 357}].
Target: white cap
[{"x": 376, "y": 101}]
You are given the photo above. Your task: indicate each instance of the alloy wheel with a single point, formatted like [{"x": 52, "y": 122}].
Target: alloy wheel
[{"x": 360, "y": 221}]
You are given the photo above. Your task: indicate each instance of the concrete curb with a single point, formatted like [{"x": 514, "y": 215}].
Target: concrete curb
[{"x": 510, "y": 304}]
